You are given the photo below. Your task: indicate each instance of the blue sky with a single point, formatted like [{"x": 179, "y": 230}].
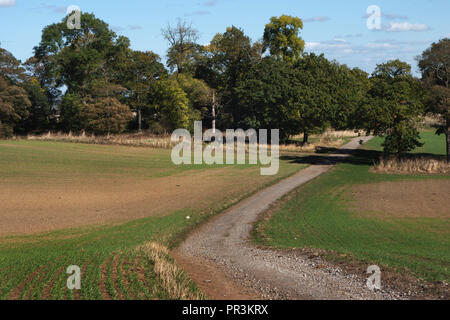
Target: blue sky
[{"x": 336, "y": 28}]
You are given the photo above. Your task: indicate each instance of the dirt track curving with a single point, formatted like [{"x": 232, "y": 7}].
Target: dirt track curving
[{"x": 224, "y": 263}]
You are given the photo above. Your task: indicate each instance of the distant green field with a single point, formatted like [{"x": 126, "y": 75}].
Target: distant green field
[
  {"x": 319, "y": 216},
  {"x": 38, "y": 159},
  {"x": 433, "y": 144},
  {"x": 112, "y": 262}
]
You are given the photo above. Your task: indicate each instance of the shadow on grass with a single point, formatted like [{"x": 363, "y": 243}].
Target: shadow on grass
[
  {"x": 332, "y": 156},
  {"x": 356, "y": 157}
]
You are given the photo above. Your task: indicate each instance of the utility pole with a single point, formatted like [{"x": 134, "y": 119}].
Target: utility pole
[{"x": 214, "y": 111}]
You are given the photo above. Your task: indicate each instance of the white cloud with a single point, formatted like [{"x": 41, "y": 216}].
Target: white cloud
[
  {"x": 384, "y": 45},
  {"x": 336, "y": 44},
  {"x": 7, "y": 3},
  {"x": 317, "y": 19},
  {"x": 406, "y": 26},
  {"x": 312, "y": 45}
]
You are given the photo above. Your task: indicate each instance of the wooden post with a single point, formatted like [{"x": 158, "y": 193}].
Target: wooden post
[{"x": 214, "y": 112}]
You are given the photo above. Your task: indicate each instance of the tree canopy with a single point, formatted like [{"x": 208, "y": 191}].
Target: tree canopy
[{"x": 89, "y": 79}]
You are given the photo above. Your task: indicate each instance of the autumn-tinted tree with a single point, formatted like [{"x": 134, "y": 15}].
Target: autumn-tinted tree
[
  {"x": 435, "y": 66},
  {"x": 11, "y": 68},
  {"x": 14, "y": 107},
  {"x": 14, "y": 101},
  {"x": 282, "y": 38}
]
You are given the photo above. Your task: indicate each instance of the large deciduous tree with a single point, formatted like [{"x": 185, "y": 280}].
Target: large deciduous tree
[
  {"x": 227, "y": 59},
  {"x": 313, "y": 74},
  {"x": 80, "y": 60},
  {"x": 138, "y": 72},
  {"x": 435, "y": 66},
  {"x": 393, "y": 107},
  {"x": 269, "y": 98},
  {"x": 183, "y": 48}
]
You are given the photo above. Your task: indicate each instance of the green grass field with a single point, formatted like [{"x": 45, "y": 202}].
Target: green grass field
[
  {"x": 113, "y": 262},
  {"x": 319, "y": 215},
  {"x": 433, "y": 144}
]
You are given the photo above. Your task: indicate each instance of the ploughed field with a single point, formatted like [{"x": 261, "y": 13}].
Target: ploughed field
[{"x": 114, "y": 211}]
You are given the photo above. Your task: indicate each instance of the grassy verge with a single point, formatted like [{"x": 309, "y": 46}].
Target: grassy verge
[{"x": 319, "y": 215}]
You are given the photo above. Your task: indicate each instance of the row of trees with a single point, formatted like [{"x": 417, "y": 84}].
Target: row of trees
[{"x": 89, "y": 79}]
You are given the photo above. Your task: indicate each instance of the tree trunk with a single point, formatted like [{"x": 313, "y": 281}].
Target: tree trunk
[
  {"x": 139, "y": 114},
  {"x": 305, "y": 138}
]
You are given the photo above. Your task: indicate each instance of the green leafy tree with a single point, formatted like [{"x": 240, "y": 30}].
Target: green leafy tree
[
  {"x": 348, "y": 89},
  {"x": 313, "y": 74},
  {"x": 281, "y": 37},
  {"x": 393, "y": 107},
  {"x": 139, "y": 71},
  {"x": 304, "y": 97},
  {"x": 81, "y": 60},
  {"x": 198, "y": 94},
  {"x": 71, "y": 118},
  {"x": 435, "y": 66},
  {"x": 169, "y": 105},
  {"x": 227, "y": 59},
  {"x": 269, "y": 98},
  {"x": 76, "y": 57},
  {"x": 41, "y": 115}
]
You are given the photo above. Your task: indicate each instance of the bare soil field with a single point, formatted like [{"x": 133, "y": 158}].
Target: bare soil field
[
  {"x": 403, "y": 199},
  {"x": 56, "y": 186},
  {"x": 33, "y": 208}
]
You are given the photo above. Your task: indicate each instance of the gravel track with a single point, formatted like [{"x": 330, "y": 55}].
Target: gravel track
[{"x": 222, "y": 260}]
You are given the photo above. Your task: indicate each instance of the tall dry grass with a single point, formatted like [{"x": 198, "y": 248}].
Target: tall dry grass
[
  {"x": 175, "y": 282},
  {"x": 330, "y": 139},
  {"x": 333, "y": 134},
  {"x": 421, "y": 165},
  {"x": 152, "y": 141}
]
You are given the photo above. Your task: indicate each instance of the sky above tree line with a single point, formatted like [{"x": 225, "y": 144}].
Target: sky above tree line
[{"x": 336, "y": 28}]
